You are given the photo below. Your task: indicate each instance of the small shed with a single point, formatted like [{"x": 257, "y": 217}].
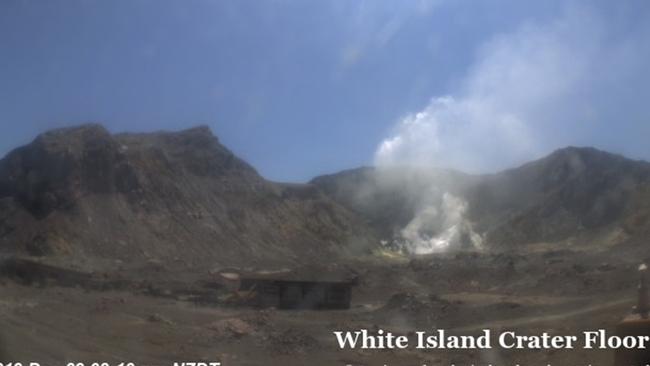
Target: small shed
[{"x": 300, "y": 289}]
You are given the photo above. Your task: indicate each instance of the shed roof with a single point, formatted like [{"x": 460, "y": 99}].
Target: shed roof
[{"x": 300, "y": 274}]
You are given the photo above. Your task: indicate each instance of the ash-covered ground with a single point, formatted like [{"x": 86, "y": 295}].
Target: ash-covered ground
[{"x": 165, "y": 316}]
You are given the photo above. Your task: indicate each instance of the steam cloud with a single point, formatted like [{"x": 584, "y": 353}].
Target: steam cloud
[
  {"x": 437, "y": 227},
  {"x": 495, "y": 118},
  {"x": 525, "y": 88}
]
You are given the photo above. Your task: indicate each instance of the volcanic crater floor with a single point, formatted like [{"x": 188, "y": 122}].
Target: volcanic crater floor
[{"x": 562, "y": 293}]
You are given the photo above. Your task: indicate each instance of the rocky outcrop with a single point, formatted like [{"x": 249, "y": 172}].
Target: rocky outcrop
[
  {"x": 574, "y": 193},
  {"x": 89, "y": 198}
]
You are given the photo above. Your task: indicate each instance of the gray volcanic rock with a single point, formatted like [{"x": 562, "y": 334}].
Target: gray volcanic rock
[
  {"x": 85, "y": 195},
  {"x": 389, "y": 197},
  {"x": 59, "y": 166},
  {"x": 572, "y": 193}
]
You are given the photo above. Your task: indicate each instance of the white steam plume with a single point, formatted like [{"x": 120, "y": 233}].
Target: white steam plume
[
  {"x": 439, "y": 227},
  {"x": 513, "y": 105},
  {"x": 524, "y": 82}
]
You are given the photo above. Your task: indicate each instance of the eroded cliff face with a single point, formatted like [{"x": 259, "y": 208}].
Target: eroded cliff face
[
  {"x": 84, "y": 195},
  {"x": 575, "y": 195},
  {"x": 88, "y": 198}
]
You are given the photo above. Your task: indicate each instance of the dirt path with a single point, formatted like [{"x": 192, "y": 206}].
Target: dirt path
[{"x": 511, "y": 323}]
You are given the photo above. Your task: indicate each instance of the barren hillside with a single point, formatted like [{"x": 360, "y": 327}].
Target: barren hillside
[
  {"x": 574, "y": 195},
  {"x": 84, "y": 196}
]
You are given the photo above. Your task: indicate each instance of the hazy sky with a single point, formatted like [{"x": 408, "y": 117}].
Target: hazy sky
[{"x": 300, "y": 88}]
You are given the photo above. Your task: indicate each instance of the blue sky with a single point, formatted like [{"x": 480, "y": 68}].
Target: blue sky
[{"x": 301, "y": 88}]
